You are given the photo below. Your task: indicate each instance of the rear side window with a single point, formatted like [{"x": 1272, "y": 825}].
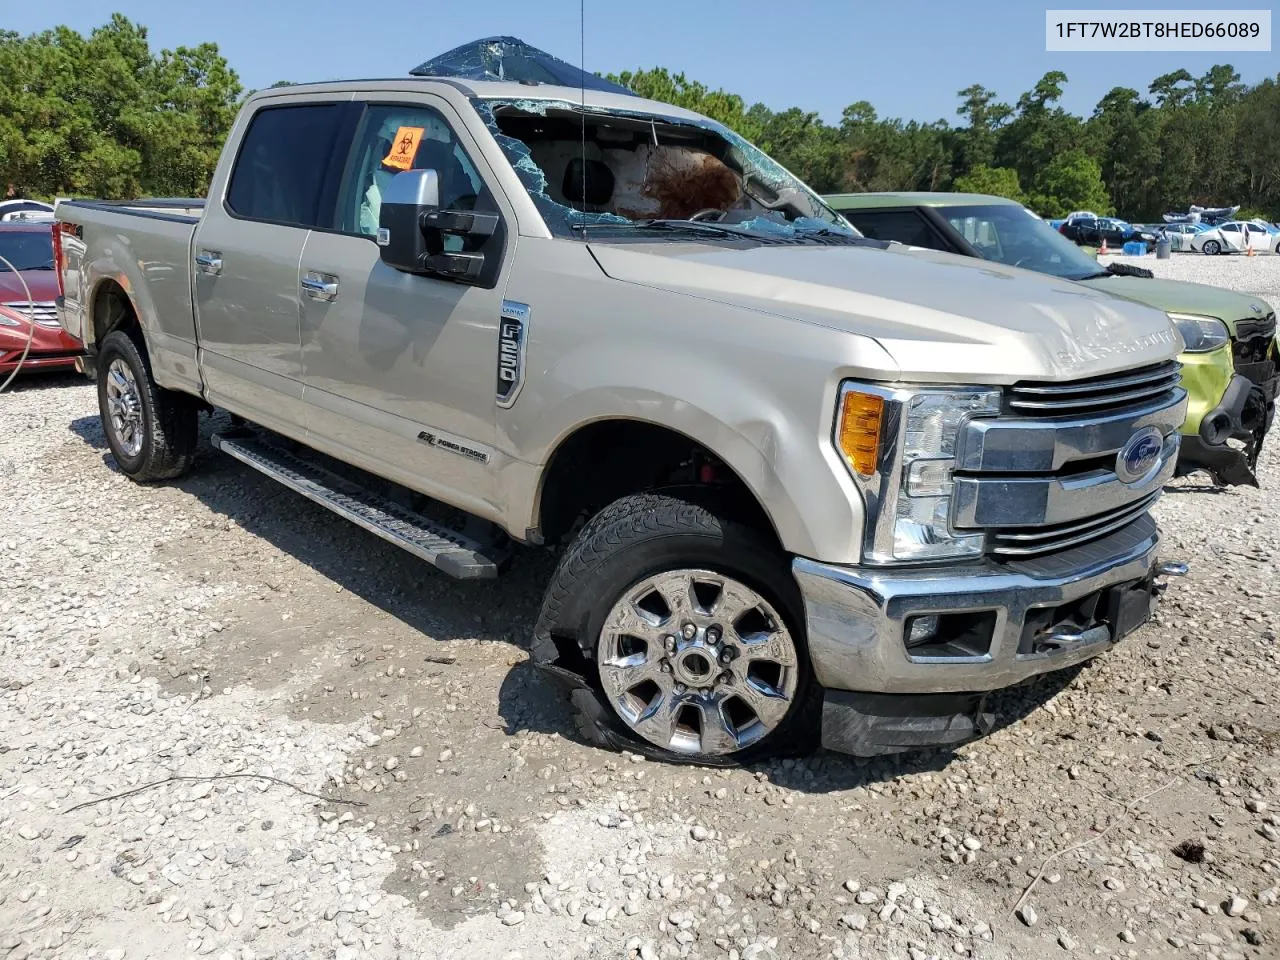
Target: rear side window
[
  {"x": 279, "y": 175},
  {"x": 905, "y": 226}
]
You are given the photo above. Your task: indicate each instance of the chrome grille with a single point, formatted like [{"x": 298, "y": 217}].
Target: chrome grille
[
  {"x": 45, "y": 313},
  {"x": 1095, "y": 394},
  {"x": 1033, "y": 541}
]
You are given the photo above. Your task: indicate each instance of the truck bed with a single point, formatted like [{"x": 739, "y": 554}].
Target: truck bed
[
  {"x": 185, "y": 209},
  {"x": 143, "y": 247}
]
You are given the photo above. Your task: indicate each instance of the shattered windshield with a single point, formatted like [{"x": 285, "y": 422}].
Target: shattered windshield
[{"x": 630, "y": 170}]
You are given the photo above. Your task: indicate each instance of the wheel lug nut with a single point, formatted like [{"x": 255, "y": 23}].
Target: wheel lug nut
[
  {"x": 671, "y": 644},
  {"x": 726, "y": 677},
  {"x": 726, "y": 656},
  {"x": 689, "y": 631},
  {"x": 680, "y": 689},
  {"x": 666, "y": 667},
  {"x": 713, "y": 635}
]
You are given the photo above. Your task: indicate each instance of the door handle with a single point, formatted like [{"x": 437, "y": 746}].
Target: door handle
[
  {"x": 320, "y": 287},
  {"x": 210, "y": 263}
]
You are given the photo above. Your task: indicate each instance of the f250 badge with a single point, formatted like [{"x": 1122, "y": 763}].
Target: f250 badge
[{"x": 513, "y": 333}]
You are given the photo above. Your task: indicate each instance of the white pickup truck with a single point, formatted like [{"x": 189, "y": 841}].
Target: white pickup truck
[{"x": 800, "y": 481}]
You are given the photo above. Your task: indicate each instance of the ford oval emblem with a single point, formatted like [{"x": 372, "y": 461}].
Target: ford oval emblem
[{"x": 1139, "y": 456}]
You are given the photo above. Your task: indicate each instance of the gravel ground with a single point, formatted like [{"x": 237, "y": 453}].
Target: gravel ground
[{"x": 376, "y": 772}]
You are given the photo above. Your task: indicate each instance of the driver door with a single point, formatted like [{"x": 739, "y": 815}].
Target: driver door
[{"x": 399, "y": 369}]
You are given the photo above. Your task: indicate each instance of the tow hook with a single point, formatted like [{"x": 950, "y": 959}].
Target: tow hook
[
  {"x": 1068, "y": 639},
  {"x": 1170, "y": 568}
]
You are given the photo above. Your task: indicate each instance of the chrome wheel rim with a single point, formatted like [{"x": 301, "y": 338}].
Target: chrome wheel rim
[
  {"x": 124, "y": 408},
  {"x": 697, "y": 663}
]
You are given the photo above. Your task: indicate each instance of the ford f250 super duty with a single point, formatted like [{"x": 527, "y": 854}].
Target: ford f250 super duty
[{"x": 800, "y": 481}]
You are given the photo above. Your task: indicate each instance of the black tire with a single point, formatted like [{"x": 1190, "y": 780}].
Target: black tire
[
  {"x": 1212, "y": 248},
  {"x": 169, "y": 420},
  {"x": 637, "y": 537}
]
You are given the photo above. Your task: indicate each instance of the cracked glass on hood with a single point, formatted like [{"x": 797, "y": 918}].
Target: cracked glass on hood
[{"x": 625, "y": 169}]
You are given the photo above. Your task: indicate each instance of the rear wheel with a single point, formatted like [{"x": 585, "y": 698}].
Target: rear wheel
[
  {"x": 1212, "y": 248},
  {"x": 151, "y": 431},
  {"x": 688, "y": 631}
]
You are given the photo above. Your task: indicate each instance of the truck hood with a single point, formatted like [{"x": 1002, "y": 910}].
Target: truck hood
[
  {"x": 43, "y": 284},
  {"x": 1178, "y": 296},
  {"x": 940, "y": 316}
]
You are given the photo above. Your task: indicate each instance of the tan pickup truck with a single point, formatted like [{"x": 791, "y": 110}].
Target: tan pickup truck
[{"x": 800, "y": 481}]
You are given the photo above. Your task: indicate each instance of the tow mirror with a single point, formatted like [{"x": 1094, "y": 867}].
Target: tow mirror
[{"x": 412, "y": 229}]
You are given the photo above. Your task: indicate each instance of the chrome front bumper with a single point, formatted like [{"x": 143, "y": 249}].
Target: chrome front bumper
[{"x": 857, "y": 616}]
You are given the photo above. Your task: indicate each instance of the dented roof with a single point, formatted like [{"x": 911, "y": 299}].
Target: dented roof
[{"x": 511, "y": 59}]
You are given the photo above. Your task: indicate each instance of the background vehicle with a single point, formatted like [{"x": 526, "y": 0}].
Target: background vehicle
[
  {"x": 1209, "y": 215},
  {"x": 667, "y": 356},
  {"x": 29, "y": 247},
  {"x": 1235, "y": 237},
  {"x": 1180, "y": 235},
  {"x": 24, "y": 210},
  {"x": 1221, "y": 329},
  {"x": 51, "y": 349},
  {"x": 1115, "y": 232}
]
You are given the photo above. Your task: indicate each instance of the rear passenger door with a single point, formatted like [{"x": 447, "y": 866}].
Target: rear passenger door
[
  {"x": 401, "y": 369},
  {"x": 246, "y": 252}
]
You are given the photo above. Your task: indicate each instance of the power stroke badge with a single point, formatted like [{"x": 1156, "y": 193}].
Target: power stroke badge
[{"x": 513, "y": 334}]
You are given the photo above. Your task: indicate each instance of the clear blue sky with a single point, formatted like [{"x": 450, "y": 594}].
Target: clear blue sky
[{"x": 908, "y": 59}]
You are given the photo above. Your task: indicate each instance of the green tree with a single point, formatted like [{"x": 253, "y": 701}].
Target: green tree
[
  {"x": 1071, "y": 181},
  {"x": 995, "y": 181},
  {"x": 676, "y": 89},
  {"x": 984, "y": 116},
  {"x": 1126, "y": 132},
  {"x": 1040, "y": 131},
  {"x": 1257, "y": 144},
  {"x": 103, "y": 115}
]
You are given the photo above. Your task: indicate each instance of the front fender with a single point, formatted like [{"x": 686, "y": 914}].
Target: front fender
[{"x": 775, "y": 435}]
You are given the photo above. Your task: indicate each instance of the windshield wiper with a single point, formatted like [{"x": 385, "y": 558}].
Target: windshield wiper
[
  {"x": 678, "y": 226},
  {"x": 1119, "y": 270}
]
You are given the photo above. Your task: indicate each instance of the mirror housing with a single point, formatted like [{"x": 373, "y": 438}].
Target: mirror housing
[{"x": 412, "y": 228}]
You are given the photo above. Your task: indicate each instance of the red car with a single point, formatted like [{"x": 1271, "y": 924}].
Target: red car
[{"x": 29, "y": 248}]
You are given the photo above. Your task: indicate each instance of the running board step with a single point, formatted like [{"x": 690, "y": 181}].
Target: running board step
[{"x": 448, "y": 550}]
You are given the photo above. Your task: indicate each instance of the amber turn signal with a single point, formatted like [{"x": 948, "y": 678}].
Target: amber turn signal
[{"x": 861, "y": 416}]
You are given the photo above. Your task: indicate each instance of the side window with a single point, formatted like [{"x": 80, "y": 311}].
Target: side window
[
  {"x": 393, "y": 138},
  {"x": 904, "y": 226},
  {"x": 283, "y": 161},
  {"x": 1230, "y": 228}
]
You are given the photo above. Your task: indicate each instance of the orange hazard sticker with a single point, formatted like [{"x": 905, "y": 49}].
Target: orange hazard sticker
[{"x": 403, "y": 148}]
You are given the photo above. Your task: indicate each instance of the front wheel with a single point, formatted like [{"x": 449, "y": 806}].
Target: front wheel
[
  {"x": 1212, "y": 248},
  {"x": 688, "y": 628},
  {"x": 151, "y": 431}
]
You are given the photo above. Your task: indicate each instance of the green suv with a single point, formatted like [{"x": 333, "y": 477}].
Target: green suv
[{"x": 1230, "y": 358}]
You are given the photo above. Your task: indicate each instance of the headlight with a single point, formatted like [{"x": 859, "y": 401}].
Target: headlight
[
  {"x": 1200, "y": 334},
  {"x": 899, "y": 443}
]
